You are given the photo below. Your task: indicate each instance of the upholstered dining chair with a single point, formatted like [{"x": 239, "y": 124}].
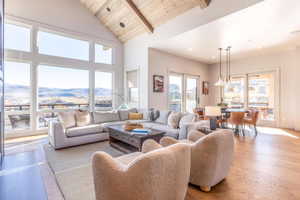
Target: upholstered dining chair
[
  {"x": 252, "y": 119},
  {"x": 156, "y": 174},
  {"x": 211, "y": 156},
  {"x": 237, "y": 119}
]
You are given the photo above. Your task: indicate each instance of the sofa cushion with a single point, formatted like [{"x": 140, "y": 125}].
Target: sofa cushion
[
  {"x": 84, "y": 130},
  {"x": 102, "y": 117},
  {"x": 162, "y": 127},
  {"x": 173, "y": 119},
  {"x": 135, "y": 116},
  {"x": 67, "y": 119},
  {"x": 83, "y": 117},
  {"x": 187, "y": 118},
  {"x": 124, "y": 114},
  {"x": 163, "y": 117}
]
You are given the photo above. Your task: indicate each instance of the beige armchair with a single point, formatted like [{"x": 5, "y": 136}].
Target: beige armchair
[
  {"x": 156, "y": 174},
  {"x": 211, "y": 156}
]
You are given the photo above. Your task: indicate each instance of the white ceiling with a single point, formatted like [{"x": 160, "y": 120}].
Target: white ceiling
[{"x": 260, "y": 29}]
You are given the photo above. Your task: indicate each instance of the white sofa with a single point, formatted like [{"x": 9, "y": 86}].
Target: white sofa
[{"x": 61, "y": 137}]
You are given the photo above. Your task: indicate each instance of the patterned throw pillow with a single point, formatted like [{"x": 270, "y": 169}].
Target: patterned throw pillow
[
  {"x": 173, "y": 119},
  {"x": 83, "y": 118}
]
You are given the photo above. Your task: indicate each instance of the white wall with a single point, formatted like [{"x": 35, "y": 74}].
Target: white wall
[
  {"x": 70, "y": 17},
  {"x": 288, "y": 64},
  {"x": 161, "y": 63}
]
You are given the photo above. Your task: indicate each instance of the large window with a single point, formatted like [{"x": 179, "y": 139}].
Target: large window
[
  {"x": 103, "y": 54},
  {"x": 132, "y": 89},
  {"x": 48, "y": 71},
  {"x": 17, "y": 96},
  {"x": 234, "y": 93},
  {"x": 16, "y": 37},
  {"x": 104, "y": 90},
  {"x": 61, "y": 88},
  {"x": 57, "y": 45},
  {"x": 191, "y": 97},
  {"x": 175, "y": 92},
  {"x": 261, "y": 94}
]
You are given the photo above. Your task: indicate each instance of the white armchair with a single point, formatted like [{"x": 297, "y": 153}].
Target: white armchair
[
  {"x": 162, "y": 174},
  {"x": 211, "y": 156}
]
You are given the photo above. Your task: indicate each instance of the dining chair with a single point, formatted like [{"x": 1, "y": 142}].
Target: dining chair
[
  {"x": 237, "y": 119},
  {"x": 251, "y": 119}
]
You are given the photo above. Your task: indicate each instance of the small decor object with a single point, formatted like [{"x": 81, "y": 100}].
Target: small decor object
[
  {"x": 135, "y": 116},
  {"x": 212, "y": 112},
  {"x": 158, "y": 83},
  {"x": 205, "y": 88},
  {"x": 141, "y": 131},
  {"x": 129, "y": 126}
]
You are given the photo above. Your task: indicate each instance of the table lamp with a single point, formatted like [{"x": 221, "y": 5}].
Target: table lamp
[{"x": 212, "y": 112}]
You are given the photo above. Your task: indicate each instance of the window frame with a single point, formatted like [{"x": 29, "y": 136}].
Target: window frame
[
  {"x": 112, "y": 53},
  {"x": 35, "y": 59}
]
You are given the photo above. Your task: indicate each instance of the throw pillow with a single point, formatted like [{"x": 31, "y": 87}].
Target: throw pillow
[
  {"x": 83, "y": 118},
  {"x": 67, "y": 119},
  {"x": 173, "y": 119},
  {"x": 163, "y": 117},
  {"x": 135, "y": 116},
  {"x": 103, "y": 117},
  {"x": 186, "y": 119},
  {"x": 124, "y": 114}
]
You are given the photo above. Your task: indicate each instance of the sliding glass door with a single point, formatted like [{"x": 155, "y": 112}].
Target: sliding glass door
[
  {"x": 183, "y": 92},
  {"x": 255, "y": 91},
  {"x": 191, "y": 93},
  {"x": 175, "y": 92},
  {"x": 261, "y": 96}
]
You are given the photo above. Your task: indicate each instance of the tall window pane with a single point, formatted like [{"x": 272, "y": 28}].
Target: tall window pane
[
  {"x": 17, "y": 96},
  {"x": 234, "y": 92},
  {"x": 57, "y": 45},
  {"x": 61, "y": 88},
  {"x": 132, "y": 88},
  {"x": 175, "y": 93},
  {"x": 103, "y": 54},
  {"x": 103, "y": 90},
  {"x": 261, "y": 96},
  {"x": 191, "y": 94},
  {"x": 16, "y": 37}
]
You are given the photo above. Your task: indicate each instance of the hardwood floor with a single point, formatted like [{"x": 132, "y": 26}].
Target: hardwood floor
[{"x": 265, "y": 167}]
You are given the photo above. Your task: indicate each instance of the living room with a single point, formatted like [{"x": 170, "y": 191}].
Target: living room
[{"x": 198, "y": 97}]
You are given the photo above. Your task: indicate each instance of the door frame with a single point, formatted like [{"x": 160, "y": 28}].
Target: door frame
[{"x": 184, "y": 77}]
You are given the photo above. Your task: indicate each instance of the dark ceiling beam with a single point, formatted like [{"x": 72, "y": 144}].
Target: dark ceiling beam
[
  {"x": 131, "y": 6},
  {"x": 204, "y": 3}
]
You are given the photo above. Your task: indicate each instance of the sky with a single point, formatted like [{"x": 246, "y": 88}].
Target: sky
[{"x": 18, "y": 38}]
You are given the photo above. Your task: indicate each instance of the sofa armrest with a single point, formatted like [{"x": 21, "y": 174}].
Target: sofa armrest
[
  {"x": 167, "y": 141},
  {"x": 150, "y": 145},
  {"x": 56, "y": 133}
]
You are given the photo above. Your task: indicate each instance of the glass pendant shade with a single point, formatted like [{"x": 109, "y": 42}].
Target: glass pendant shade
[{"x": 220, "y": 82}]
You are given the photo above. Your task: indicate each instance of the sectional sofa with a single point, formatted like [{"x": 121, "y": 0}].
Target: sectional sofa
[{"x": 96, "y": 130}]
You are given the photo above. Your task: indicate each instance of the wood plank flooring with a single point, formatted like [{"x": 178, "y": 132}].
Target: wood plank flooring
[{"x": 266, "y": 167}]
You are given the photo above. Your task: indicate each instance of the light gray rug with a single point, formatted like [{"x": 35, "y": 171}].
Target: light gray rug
[{"x": 72, "y": 168}]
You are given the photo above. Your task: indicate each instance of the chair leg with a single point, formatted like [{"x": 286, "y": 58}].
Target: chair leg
[
  {"x": 255, "y": 129},
  {"x": 205, "y": 188}
]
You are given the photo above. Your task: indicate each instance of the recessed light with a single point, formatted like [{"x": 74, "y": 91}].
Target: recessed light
[
  {"x": 108, "y": 9},
  {"x": 190, "y": 49},
  {"x": 122, "y": 24},
  {"x": 213, "y": 57}
]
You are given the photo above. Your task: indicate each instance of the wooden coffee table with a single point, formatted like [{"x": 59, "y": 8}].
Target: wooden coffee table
[{"x": 127, "y": 141}]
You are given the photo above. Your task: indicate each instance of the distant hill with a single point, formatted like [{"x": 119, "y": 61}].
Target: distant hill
[{"x": 17, "y": 90}]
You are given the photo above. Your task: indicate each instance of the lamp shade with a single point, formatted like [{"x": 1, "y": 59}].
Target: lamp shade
[
  {"x": 213, "y": 111},
  {"x": 219, "y": 83}
]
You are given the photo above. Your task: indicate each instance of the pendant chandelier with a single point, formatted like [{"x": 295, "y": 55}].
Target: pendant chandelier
[{"x": 220, "y": 82}]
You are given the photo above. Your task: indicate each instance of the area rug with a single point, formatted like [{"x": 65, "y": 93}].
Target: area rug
[{"x": 72, "y": 168}]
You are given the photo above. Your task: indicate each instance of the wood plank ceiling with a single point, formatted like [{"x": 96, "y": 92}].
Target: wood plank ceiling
[{"x": 130, "y": 18}]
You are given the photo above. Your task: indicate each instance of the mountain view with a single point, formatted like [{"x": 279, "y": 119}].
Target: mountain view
[{"x": 20, "y": 95}]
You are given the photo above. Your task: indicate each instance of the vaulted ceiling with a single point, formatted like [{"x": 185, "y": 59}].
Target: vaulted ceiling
[{"x": 130, "y": 18}]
